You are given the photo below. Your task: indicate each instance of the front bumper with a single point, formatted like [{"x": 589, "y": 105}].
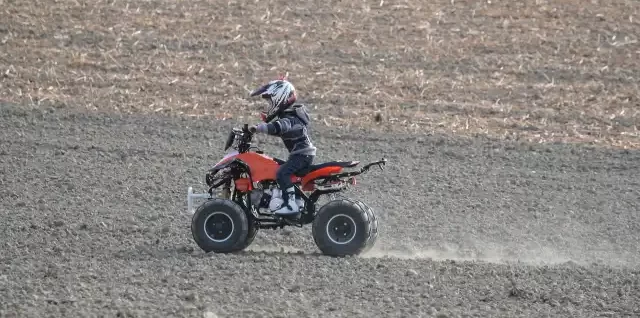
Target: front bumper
[{"x": 190, "y": 198}]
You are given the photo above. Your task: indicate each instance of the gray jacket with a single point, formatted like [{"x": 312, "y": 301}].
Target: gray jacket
[{"x": 293, "y": 128}]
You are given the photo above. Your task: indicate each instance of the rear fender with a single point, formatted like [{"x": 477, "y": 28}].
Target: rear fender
[{"x": 306, "y": 180}]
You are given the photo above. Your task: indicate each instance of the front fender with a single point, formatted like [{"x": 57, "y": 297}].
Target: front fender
[
  {"x": 225, "y": 161},
  {"x": 219, "y": 174},
  {"x": 220, "y": 165}
]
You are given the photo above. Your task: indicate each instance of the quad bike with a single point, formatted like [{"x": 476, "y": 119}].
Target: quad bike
[{"x": 246, "y": 181}]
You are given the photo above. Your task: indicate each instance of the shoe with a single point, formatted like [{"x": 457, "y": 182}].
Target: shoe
[{"x": 289, "y": 207}]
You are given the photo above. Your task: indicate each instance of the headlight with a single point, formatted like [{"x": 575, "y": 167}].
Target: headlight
[{"x": 213, "y": 175}]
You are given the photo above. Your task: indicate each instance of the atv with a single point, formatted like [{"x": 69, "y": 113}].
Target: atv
[{"x": 241, "y": 187}]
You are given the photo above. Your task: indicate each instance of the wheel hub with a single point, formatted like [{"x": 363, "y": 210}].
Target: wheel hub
[
  {"x": 218, "y": 226},
  {"x": 341, "y": 229}
]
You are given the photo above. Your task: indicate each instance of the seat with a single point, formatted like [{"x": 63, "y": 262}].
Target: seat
[{"x": 312, "y": 168}]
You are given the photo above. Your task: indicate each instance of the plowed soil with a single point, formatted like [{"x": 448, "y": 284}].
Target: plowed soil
[
  {"x": 93, "y": 224},
  {"x": 512, "y": 189},
  {"x": 535, "y": 70}
]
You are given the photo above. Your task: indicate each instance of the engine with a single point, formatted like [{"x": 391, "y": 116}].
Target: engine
[
  {"x": 270, "y": 198},
  {"x": 266, "y": 198},
  {"x": 257, "y": 197}
]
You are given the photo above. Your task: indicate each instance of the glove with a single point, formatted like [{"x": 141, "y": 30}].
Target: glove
[{"x": 253, "y": 129}]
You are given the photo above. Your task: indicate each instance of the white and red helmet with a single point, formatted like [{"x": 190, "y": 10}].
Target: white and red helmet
[{"x": 279, "y": 93}]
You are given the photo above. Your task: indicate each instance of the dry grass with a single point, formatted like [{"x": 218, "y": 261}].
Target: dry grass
[{"x": 564, "y": 70}]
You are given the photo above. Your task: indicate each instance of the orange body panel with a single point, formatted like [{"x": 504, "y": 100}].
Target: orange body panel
[
  {"x": 243, "y": 185},
  {"x": 318, "y": 173},
  {"x": 263, "y": 167}
]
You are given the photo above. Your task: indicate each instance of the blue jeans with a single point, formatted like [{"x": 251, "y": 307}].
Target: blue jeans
[{"x": 294, "y": 164}]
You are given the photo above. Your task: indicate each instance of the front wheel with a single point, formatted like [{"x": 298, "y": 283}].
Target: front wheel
[
  {"x": 345, "y": 227},
  {"x": 221, "y": 226}
]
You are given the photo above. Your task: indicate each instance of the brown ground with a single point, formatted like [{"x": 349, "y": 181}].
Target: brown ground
[
  {"x": 91, "y": 204},
  {"x": 540, "y": 70},
  {"x": 93, "y": 225}
]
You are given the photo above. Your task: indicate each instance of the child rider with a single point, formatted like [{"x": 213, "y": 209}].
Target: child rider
[{"x": 290, "y": 122}]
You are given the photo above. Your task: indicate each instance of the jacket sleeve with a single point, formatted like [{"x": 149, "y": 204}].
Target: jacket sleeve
[{"x": 276, "y": 128}]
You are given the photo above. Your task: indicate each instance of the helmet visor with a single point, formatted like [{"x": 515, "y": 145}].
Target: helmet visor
[{"x": 260, "y": 91}]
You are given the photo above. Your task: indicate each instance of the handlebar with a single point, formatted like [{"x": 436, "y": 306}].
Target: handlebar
[
  {"x": 244, "y": 133},
  {"x": 241, "y": 131}
]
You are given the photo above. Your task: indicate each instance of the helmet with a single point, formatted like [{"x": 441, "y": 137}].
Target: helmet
[{"x": 280, "y": 94}]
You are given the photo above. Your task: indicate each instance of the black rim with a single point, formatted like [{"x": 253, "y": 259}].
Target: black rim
[
  {"x": 341, "y": 229},
  {"x": 218, "y": 226}
]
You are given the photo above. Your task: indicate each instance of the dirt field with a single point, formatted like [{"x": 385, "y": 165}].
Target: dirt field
[
  {"x": 485, "y": 209},
  {"x": 92, "y": 225},
  {"x": 565, "y": 70}
]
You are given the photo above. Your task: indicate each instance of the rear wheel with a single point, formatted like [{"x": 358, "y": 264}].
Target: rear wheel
[
  {"x": 345, "y": 227},
  {"x": 221, "y": 226},
  {"x": 374, "y": 226}
]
